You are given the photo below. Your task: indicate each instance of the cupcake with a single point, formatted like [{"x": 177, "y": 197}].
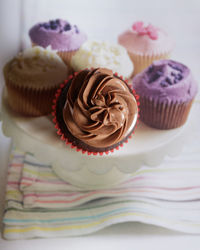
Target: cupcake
[
  {"x": 95, "y": 111},
  {"x": 63, "y": 37},
  {"x": 167, "y": 90},
  {"x": 94, "y": 54},
  {"x": 146, "y": 44},
  {"x": 32, "y": 78}
]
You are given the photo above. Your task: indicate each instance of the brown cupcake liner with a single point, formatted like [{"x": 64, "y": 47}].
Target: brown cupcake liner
[
  {"x": 66, "y": 57},
  {"x": 28, "y": 101},
  {"x": 141, "y": 62},
  {"x": 34, "y": 44},
  {"x": 163, "y": 115}
]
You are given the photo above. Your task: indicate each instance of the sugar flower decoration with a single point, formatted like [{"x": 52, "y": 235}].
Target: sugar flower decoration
[{"x": 148, "y": 30}]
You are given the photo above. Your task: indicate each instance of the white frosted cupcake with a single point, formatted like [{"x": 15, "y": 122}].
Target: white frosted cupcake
[
  {"x": 94, "y": 54},
  {"x": 32, "y": 78}
]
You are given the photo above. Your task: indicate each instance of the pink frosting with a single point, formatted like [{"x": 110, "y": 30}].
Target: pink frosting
[
  {"x": 146, "y": 40},
  {"x": 149, "y": 30}
]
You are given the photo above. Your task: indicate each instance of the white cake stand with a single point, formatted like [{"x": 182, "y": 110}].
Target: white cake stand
[{"x": 37, "y": 135}]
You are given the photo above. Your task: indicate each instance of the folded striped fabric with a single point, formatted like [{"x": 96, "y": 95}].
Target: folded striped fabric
[
  {"x": 39, "y": 204},
  {"x": 42, "y": 188}
]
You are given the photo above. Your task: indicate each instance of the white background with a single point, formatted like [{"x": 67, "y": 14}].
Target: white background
[{"x": 104, "y": 20}]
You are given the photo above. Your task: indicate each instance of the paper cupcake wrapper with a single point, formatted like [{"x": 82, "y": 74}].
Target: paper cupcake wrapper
[
  {"x": 163, "y": 115},
  {"x": 67, "y": 141},
  {"x": 28, "y": 101},
  {"x": 142, "y": 62},
  {"x": 65, "y": 56},
  {"x": 34, "y": 44}
]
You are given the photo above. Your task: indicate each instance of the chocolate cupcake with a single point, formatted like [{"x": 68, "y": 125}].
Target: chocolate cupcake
[
  {"x": 167, "y": 90},
  {"x": 95, "y": 111}
]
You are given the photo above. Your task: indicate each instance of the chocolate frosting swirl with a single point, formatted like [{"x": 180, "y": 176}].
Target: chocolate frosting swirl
[{"x": 100, "y": 109}]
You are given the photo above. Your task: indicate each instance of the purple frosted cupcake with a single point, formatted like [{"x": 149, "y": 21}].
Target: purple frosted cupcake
[
  {"x": 63, "y": 37},
  {"x": 167, "y": 90}
]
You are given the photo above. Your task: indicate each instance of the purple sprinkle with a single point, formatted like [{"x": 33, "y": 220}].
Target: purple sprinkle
[
  {"x": 175, "y": 67},
  {"x": 76, "y": 29},
  {"x": 160, "y": 73},
  {"x": 163, "y": 84},
  {"x": 175, "y": 81},
  {"x": 179, "y": 69},
  {"x": 54, "y": 27},
  {"x": 150, "y": 70},
  {"x": 52, "y": 22},
  {"x": 67, "y": 27},
  {"x": 46, "y": 26},
  {"x": 154, "y": 77},
  {"x": 58, "y": 21},
  {"x": 179, "y": 77},
  {"x": 167, "y": 79}
]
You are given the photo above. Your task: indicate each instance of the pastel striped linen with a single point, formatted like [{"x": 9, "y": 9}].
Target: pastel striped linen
[
  {"x": 42, "y": 188},
  {"x": 39, "y": 204}
]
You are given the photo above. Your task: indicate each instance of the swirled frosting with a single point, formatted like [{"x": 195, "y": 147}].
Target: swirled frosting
[
  {"x": 36, "y": 67},
  {"x": 100, "y": 109},
  {"x": 105, "y": 55}
]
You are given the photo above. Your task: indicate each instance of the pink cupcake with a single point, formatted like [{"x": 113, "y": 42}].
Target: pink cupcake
[{"x": 146, "y": 44}]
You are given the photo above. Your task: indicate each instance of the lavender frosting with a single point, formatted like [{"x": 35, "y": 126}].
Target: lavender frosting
[
  {"x": 167, "y": 81},
  {"x": 60, "y": 34}
]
